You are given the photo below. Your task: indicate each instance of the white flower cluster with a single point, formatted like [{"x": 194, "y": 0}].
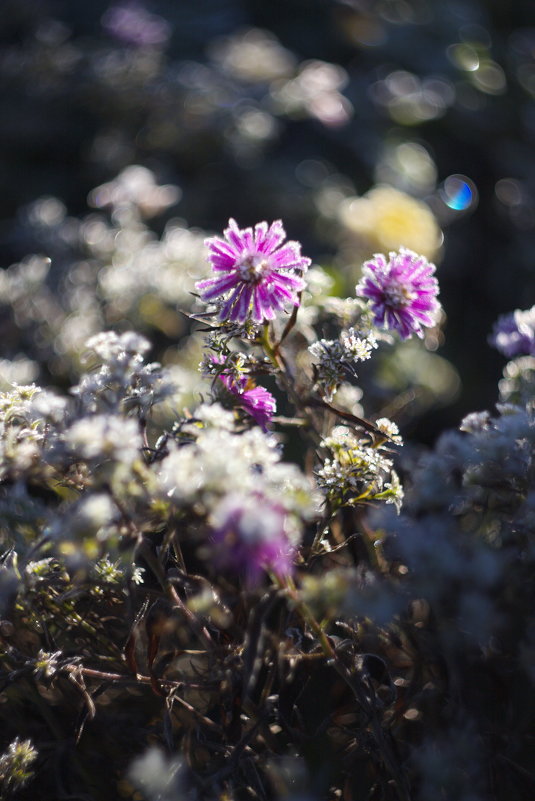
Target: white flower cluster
[
  {"x": 331, "y": 367},
  {"x": 121, "y": 349},
  {"x": 122, "y": 382},
  {"x": 213, "y": 415},
  {"x": 389, "y": 429},
  {"x": 47, "y": 664},
  {"x": 105, "y": 436},
  {"x": 144, "y": 268},
  {"x": 92, "y": 444},
  {"x": 357, "y": 472},
  {"x": 104, "y": 268},
  {"x": 219, "y": 462},
  {"x": 16, "y": 371},
  {"x": 358, "y": 347},
  {"x": 93, "y": 519},
  {"x": 135, "y": 187},
  {"x": 336, "y": 358},
  {"x": 16, "y": 765},
  {"x": 89, "y": 444},
  {"x": 109, "y": 572},
  {"x": 25, "y": 415}
]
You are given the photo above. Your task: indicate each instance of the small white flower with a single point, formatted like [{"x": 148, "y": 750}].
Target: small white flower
[
  {"x": 389, "y": 428},
  {"x": 109, "y": 346},
  {"x": 100, "y": 437}
]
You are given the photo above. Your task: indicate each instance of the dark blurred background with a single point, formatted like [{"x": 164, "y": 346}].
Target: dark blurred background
[{"x": 293, "y": 109}]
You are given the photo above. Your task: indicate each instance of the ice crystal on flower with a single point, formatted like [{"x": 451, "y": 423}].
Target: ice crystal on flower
[
  {"x": 475, "y": 422},
  {"x": 256, "y": 275},
  {"x": 402, "y": 292}
]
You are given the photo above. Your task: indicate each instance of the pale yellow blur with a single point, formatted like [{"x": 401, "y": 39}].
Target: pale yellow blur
[{"x": 384, "y": 219}]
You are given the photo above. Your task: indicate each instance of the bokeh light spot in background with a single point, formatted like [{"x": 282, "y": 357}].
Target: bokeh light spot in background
[
  {"x": 459, "y": 193},
  {"x": 490, "y": 78},
  {"x": 402, "y": 12},
  {"x": 311, "y": 172},
  {"x": 132, "y": 24},
  {"x": 463, "y": 56},
  {"x": 252, "y": 55},
  {"x": 410, "y": 100},
  {"x": 509, "y": 191},
  {"x": 516, "y": 202},
  {"x": 407, "y": 166},
  {"x": 363, "y": 30}
]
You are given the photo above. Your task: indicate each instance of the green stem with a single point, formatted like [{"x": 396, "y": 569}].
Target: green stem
[
  {"x": 278, "y": 361},
  {"x": 288, "y": 586}
]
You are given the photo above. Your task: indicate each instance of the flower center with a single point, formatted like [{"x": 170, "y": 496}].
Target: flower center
[
  {"x": 252, "y": 268},
  {"x": 398, "y": 296}
]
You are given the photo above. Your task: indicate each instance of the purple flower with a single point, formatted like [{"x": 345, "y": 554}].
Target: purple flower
[
  {"x": 514, "y": 334},
  {"x": 249, "y": 534},
  {"x": 255, "y": 274},
  {"x": 259, "y": 403},
  {"x": 256, "y": 401},
  {"x": 402, "y": 291}
]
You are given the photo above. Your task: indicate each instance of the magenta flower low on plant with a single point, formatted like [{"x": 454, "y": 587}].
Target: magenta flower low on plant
[
  {"x": 256, "y": 401},
  {"x": 249, "y": 534},
  {"x": 256, "y": 275},
  {"x": 402, "y": 291}
]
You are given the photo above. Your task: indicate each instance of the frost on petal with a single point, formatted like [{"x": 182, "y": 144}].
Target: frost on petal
[
  {"x": 240, "y": 308},
  {"x": 268, "y": 239},
  {"x": 214, "y": 287},
  {"x": 256, "y": 276},
  {"x": 402, "y": 292},
  {"x": 289, "y": 256},
  {"x": 238, "y": 239},
  {"x": 263, "y": 306},
  {"x": 260, "y": 404}
]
